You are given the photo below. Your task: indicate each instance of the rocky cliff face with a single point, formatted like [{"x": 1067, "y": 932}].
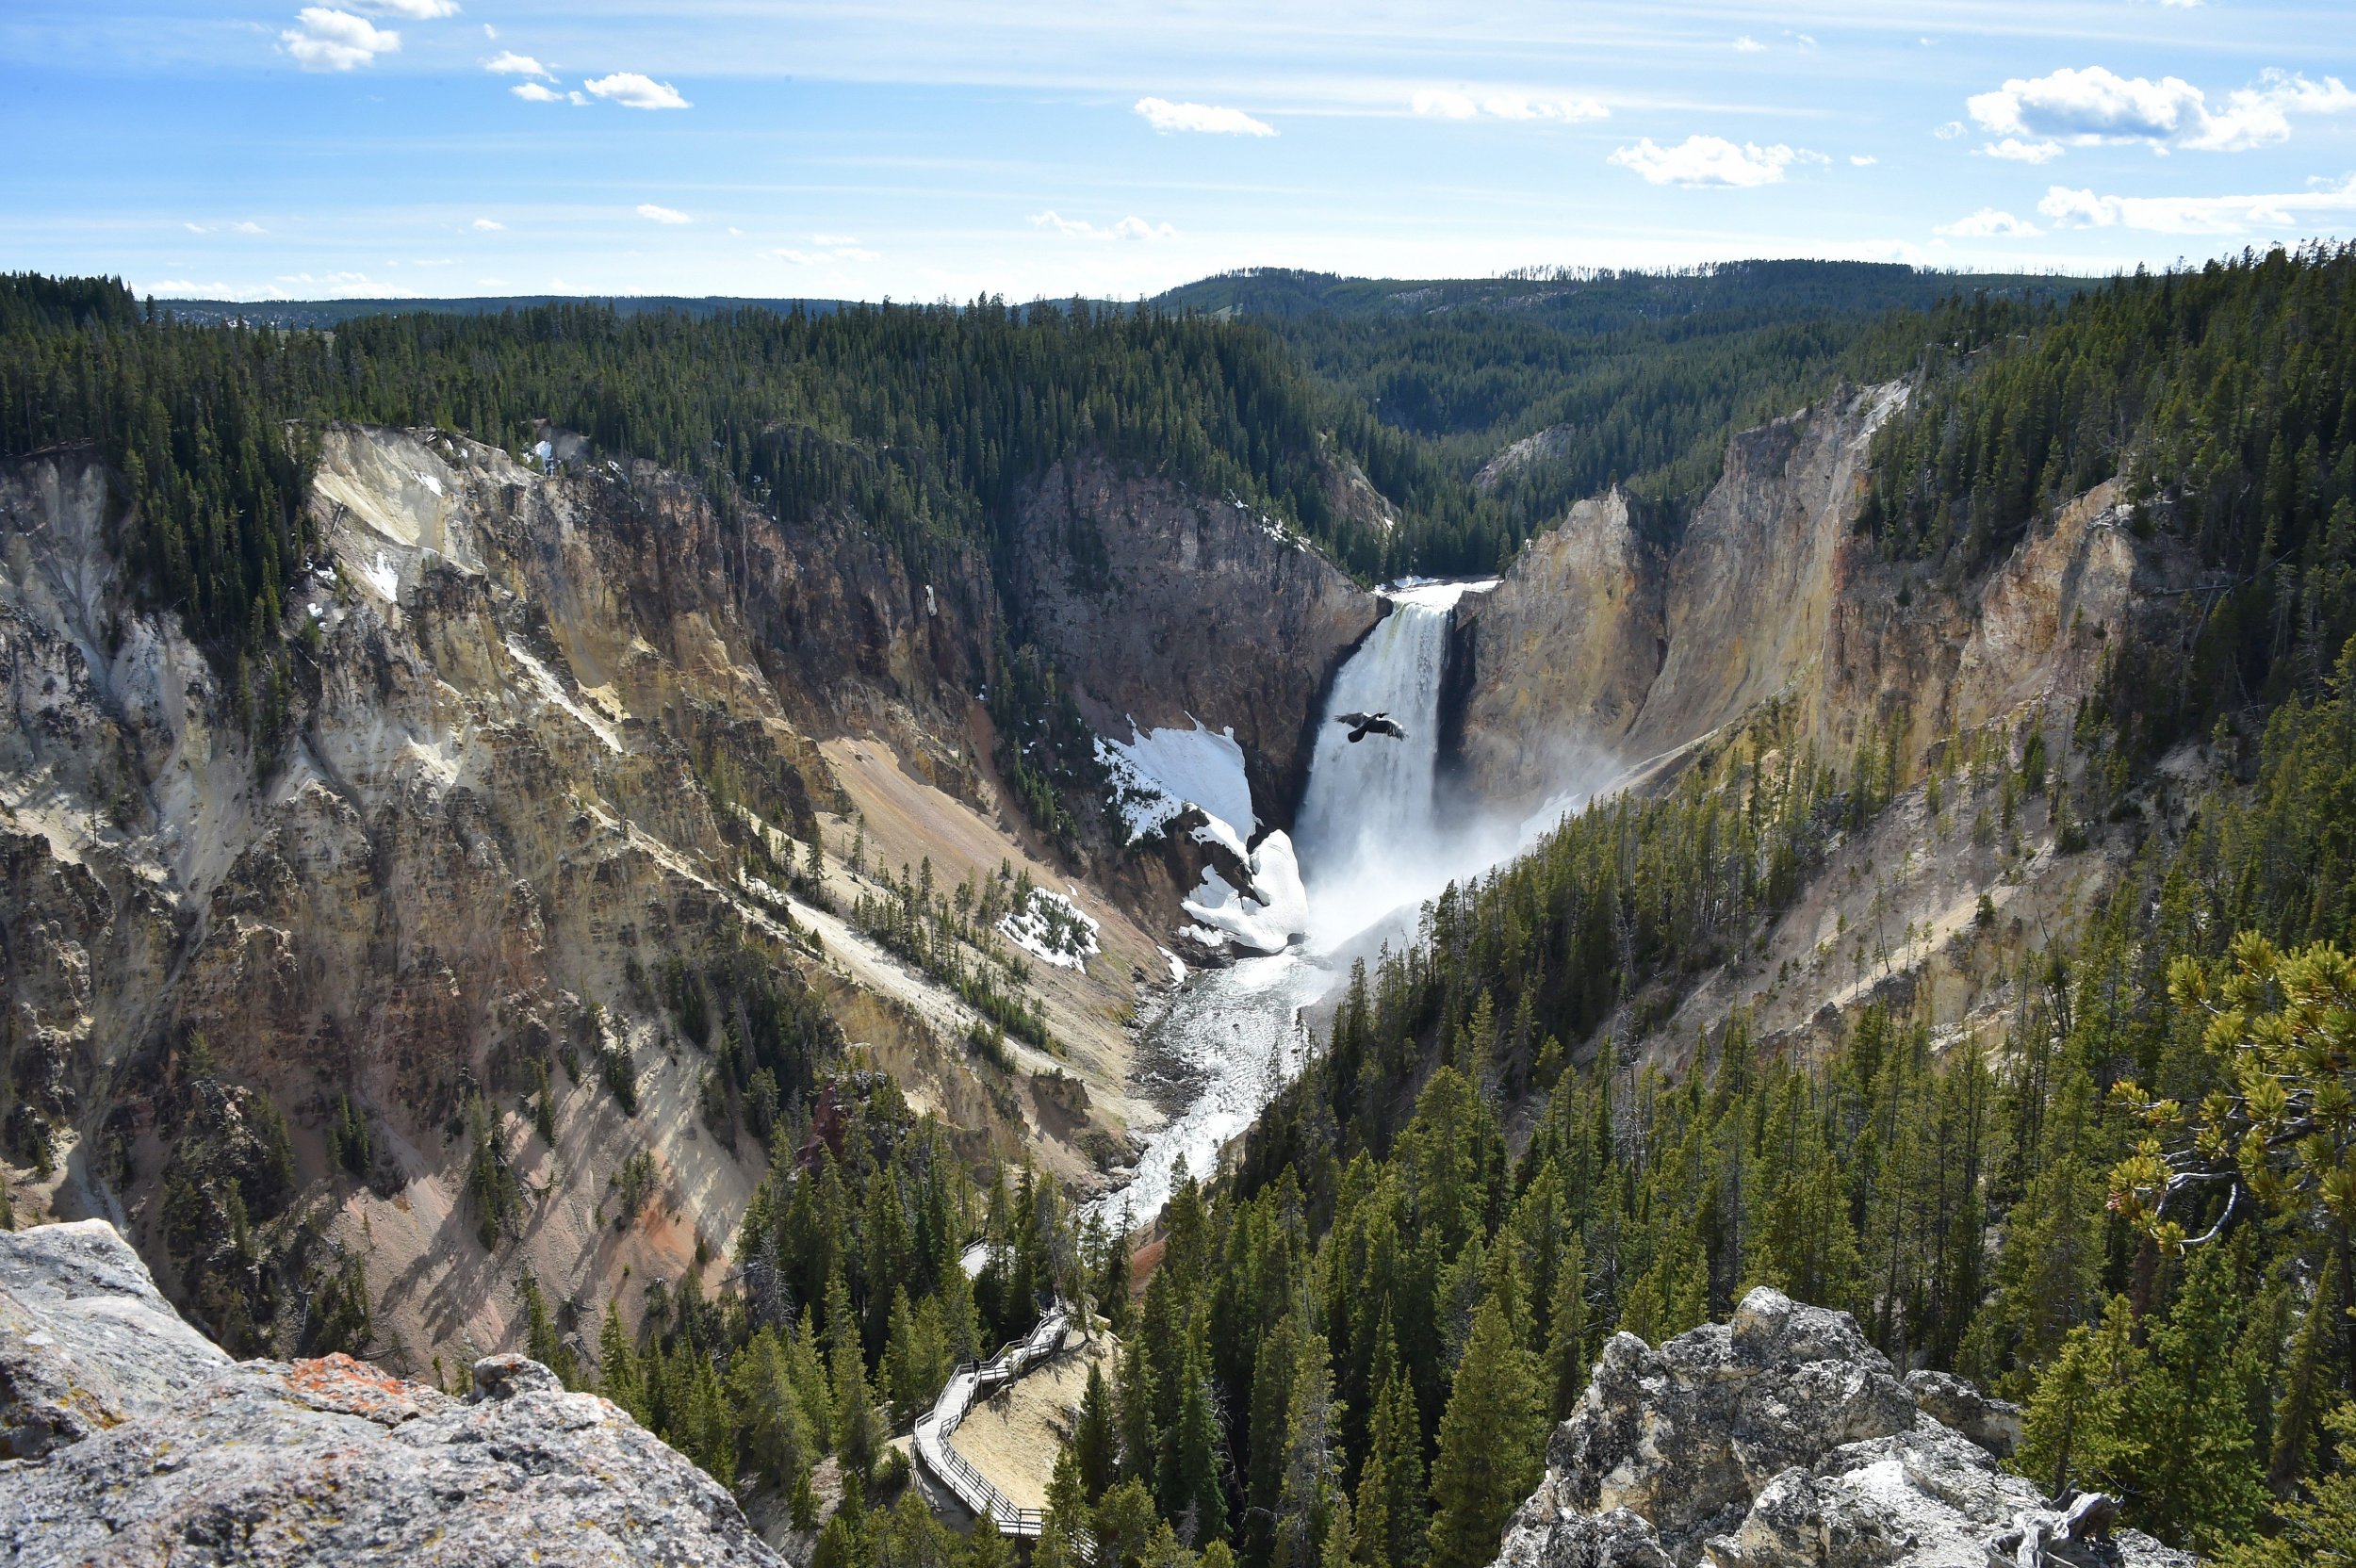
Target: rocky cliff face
[
  {"x": 1600, "y": 662},
  {"x": 136, "y": 1440},
  {"x": 1785, "y": 1440},
  {"x": 1165, "y": 607},
  {"x": 1555, "y": 662},
  {"x": 1615, "y": 651},
  {"x": 547, "y": 731},
  {"x": 1630, "y": 653}
]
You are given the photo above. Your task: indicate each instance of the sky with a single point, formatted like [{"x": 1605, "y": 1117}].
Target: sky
[{"x": 946, "y": 149}]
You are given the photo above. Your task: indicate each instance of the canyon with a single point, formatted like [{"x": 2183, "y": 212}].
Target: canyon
[{"x": 564, "y": 723}]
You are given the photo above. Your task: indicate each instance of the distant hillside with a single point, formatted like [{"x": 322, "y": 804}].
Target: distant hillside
[
  {"x": 1541, "y": 387},
  {"x": 1588, "y": 300},
  {"x": 334, "y": 312}
]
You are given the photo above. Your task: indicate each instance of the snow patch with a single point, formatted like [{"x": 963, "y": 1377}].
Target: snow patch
[
  {"x": 1052, "y": 929},
  {"x": 382, "y": 578},
  {"x": 1267, "y": 923},
  {"x": 1156, "y": 773},
  {"x": 429, "y": 482},
  {"x": 1177, "y": 966}
]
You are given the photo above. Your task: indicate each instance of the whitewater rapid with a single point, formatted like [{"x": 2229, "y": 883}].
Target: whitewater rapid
[{"x": 1369, "y": 841}]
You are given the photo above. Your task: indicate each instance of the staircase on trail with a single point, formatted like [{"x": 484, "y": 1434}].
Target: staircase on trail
[{"x": 975, "y": 1380}]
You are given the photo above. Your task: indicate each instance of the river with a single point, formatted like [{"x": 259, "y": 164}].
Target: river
[{"x": 1370, "y": 843}]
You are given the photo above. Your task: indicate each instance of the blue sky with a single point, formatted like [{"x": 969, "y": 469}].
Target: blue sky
[{"x": 935, "y": 149}]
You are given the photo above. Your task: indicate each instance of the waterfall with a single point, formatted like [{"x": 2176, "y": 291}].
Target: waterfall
[
  {"x": 1368, "y": 835},
  {"x": 1369, "y": 842}
]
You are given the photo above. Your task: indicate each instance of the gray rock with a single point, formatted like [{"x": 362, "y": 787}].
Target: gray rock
[
  {"x": 1993, "y": 1424},
  {"x": 87, "y": 1342},
  {"x": 1784, "y": 1440},
  {"x": 331, "y": 1460},
  {"x": 1542, "y": 1536}
]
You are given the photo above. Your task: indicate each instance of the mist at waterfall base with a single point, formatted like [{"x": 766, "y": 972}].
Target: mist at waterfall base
[
  {"x": 1374, "y": 843},
  {"x": 1371, "y": 836}
]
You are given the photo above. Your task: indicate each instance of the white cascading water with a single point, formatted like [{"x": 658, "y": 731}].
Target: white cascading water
[
  {"x": 1369, "y": 843},
  {"x": 1367, "y": 833}
]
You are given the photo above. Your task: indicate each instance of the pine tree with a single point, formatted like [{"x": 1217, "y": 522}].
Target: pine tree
[
  {"x": 1489, "y": 1444},
  {"x": 856, "y": 1438},
  {"x": 1192, "y": 1496},
  {"x": 1096, "y": 1436},
  {"x": 541, "y": 1341},
  {"x": 1391, "y": 1521},
  {"x": 1566, "y": 1343},
  {"x": 1313, "y": 1460},
  {"x": 1272, "y": 1419},
  {"x": 619, "y": 1377}
]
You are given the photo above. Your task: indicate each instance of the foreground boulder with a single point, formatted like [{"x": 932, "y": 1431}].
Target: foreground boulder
[
  {"x": 147, "y": 1444},
  {"x": 1784, "y": 1439}
]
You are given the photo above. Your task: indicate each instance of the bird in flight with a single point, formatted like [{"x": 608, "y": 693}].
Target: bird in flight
[{"x": 1363, "y": 724}]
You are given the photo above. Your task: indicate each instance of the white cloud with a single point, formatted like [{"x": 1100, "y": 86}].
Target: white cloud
[
  {"x": 634, "y": 91},
  {"x": 243, "y": 226},
  {"x": 489, "y": 225},
  {"x": 340, "y": 285},
  {"x": 408, "y": 11},
  {"x": 1801, "y": 39},
  {"x": 490, "y": 32},
  {"x": 1748, "y": 45},
  {"x": 511, "y": 64},
  {"x": 1948, "y": 132},
  {"x": 2094, "y": 106},
  {"x": 1451, "y": 104},
  {"x": 831, "y": 248},
  {"x": 1209, "y": 118},
  {"x": 325, "y": 40},
  {"x": 1863, "y": 160},
  {"x": 2013, "y": 150},
  {"x": 653, "y": 214},
  {"x": 2198, "y": 215},
  {"x": 1131, "y": 227},
  {"x": 532, "y": 92},
  {"x": 1707, "y": 160},
  {"x": 1989, "y": 223}
]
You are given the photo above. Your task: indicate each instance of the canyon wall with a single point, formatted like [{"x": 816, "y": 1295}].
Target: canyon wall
[
  {"x": 1163, "y": 606},
  {"x": 550, "y": 732}
]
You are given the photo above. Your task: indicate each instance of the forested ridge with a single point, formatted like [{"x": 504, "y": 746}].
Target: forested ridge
[{"x": 1636, "y": 378}]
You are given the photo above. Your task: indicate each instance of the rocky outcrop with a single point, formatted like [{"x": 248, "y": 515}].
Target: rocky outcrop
[
  {"x": 1163, "y": 607},
  {"x": 1784, "y": 1440},
  {"x": 87, "y": 1342},
  {"x": 1528, "y": 452},
  {"x": 185, "y": 1457}
]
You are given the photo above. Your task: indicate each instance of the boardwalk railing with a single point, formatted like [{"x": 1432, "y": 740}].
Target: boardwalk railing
[{"x": 975, "y": 1380}]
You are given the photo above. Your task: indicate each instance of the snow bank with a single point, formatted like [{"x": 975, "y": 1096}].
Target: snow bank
[
  {"x": 1159, "y": 773},
  {"x": 1267, "y": 923},
  {"x": 1052, "y": 929}
]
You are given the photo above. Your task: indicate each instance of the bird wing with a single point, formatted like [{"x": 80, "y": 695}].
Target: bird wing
[{"x": 1353, "y": 719}]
